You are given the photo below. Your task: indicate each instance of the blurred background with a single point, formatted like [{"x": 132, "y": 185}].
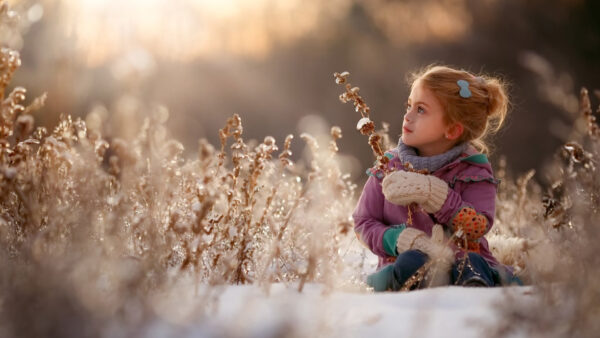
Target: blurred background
[{"x": 271, "y": 62}]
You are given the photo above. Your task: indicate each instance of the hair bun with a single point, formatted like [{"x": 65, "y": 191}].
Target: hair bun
[
  {"x": 497, "y": 99},
  {"x": 482, "y": 82}
]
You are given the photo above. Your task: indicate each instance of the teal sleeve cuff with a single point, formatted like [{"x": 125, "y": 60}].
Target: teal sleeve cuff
[{"x": 390, "y": 237}]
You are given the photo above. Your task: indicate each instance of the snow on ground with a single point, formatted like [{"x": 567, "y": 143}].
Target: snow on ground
[
  {"x": 247, "y": 311},
  {"x": 192, "y": 310}
]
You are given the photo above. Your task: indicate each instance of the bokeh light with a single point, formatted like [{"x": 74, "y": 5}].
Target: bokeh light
[{"x": 186, "y": 29}]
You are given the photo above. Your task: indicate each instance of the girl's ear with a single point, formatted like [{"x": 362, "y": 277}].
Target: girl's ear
[{"x": 454, "y": 131}]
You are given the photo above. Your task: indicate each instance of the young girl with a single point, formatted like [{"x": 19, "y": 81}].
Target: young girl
[{"x": 427, "y": 218}]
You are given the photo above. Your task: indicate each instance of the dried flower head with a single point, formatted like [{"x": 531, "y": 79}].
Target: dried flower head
[
  {"x": 365, "y": 126},
  {"x": 336, "y": 133},
  {"x": 340, "y": 78},
  {"x": 575, "y": 154}
]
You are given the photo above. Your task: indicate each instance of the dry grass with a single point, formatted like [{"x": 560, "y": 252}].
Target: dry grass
[
  {"x": 93, "y": 228},
  {"x": 553, "y": 238}
]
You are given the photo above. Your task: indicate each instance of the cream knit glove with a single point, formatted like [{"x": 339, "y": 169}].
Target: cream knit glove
[
  {"x": 404, "y": 188},
  {"x": 435, "y": 247}
]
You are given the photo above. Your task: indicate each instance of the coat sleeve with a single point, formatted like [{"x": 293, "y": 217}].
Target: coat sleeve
[
  {"x": 476, "y": 200},
  {"x": 368, "y": 217}
]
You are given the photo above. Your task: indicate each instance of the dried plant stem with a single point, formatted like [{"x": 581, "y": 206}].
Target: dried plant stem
[
  {"x": 522, "y": 184},
  {"x": 245, "y": 254},
  {"x": 365, "y": 125},
  {"x": 312, "y": 262},
  {"x": 585, "y": 109}
]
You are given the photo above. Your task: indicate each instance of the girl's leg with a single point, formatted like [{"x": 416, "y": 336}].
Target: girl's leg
[
  {"x": 393, "y": 276},
  {"x": 405, "y": 266},
  {"x": 381, "y": 280},
  {"x": 506, "y": 277},
  {"x": 474, "y": 271}
]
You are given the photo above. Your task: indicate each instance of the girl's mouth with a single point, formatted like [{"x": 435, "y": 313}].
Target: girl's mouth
[{"x": 406, "y": 130}]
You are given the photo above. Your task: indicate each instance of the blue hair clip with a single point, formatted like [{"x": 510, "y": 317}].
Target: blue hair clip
[{"x": 464, "y": 89}]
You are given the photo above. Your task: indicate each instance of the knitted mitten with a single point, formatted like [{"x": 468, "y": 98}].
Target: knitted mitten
[
  {"x": 435, "y": 247},
  {"x": 404, "y": 188}
]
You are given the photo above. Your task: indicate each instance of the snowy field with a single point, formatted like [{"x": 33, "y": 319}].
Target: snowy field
[
  {"x": 247, "y": 311},
  {"x": 352, "y": 310}
]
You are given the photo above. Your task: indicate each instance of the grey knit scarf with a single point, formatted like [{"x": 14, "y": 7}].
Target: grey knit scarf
[{"x": 431, "y": 163}]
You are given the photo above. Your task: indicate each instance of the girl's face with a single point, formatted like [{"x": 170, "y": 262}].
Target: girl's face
[{"x": 424, "y": 127}]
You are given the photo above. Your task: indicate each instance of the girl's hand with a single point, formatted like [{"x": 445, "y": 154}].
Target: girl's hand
[
  {"x": 404, "y": 188},
  {"x": 436, "y": 246}
]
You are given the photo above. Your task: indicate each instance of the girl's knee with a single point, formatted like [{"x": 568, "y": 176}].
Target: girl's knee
[
  {"x": 407, "y": 264},
  {"x": 473, "y": 256},
  {"x": 412, "y": 258}
]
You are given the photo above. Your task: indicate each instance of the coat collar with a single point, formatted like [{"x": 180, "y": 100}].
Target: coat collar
[{"x": 470, "y": 156}]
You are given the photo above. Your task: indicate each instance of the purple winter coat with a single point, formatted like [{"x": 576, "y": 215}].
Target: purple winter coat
[{"x": 471, "y": 182}]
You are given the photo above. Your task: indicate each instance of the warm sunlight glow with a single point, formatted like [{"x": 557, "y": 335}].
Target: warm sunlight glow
[
  {"x": 186, "y": 29},
  {"x": 409, "y": 22}
]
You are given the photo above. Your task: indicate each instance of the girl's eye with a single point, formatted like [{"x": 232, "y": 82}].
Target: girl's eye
[
  {"x": 407, "y": 106},
  {"x": 420, "y": 110}
]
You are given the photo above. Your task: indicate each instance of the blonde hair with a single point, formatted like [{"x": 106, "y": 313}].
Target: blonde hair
[{"x": 481, "y": 114}]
